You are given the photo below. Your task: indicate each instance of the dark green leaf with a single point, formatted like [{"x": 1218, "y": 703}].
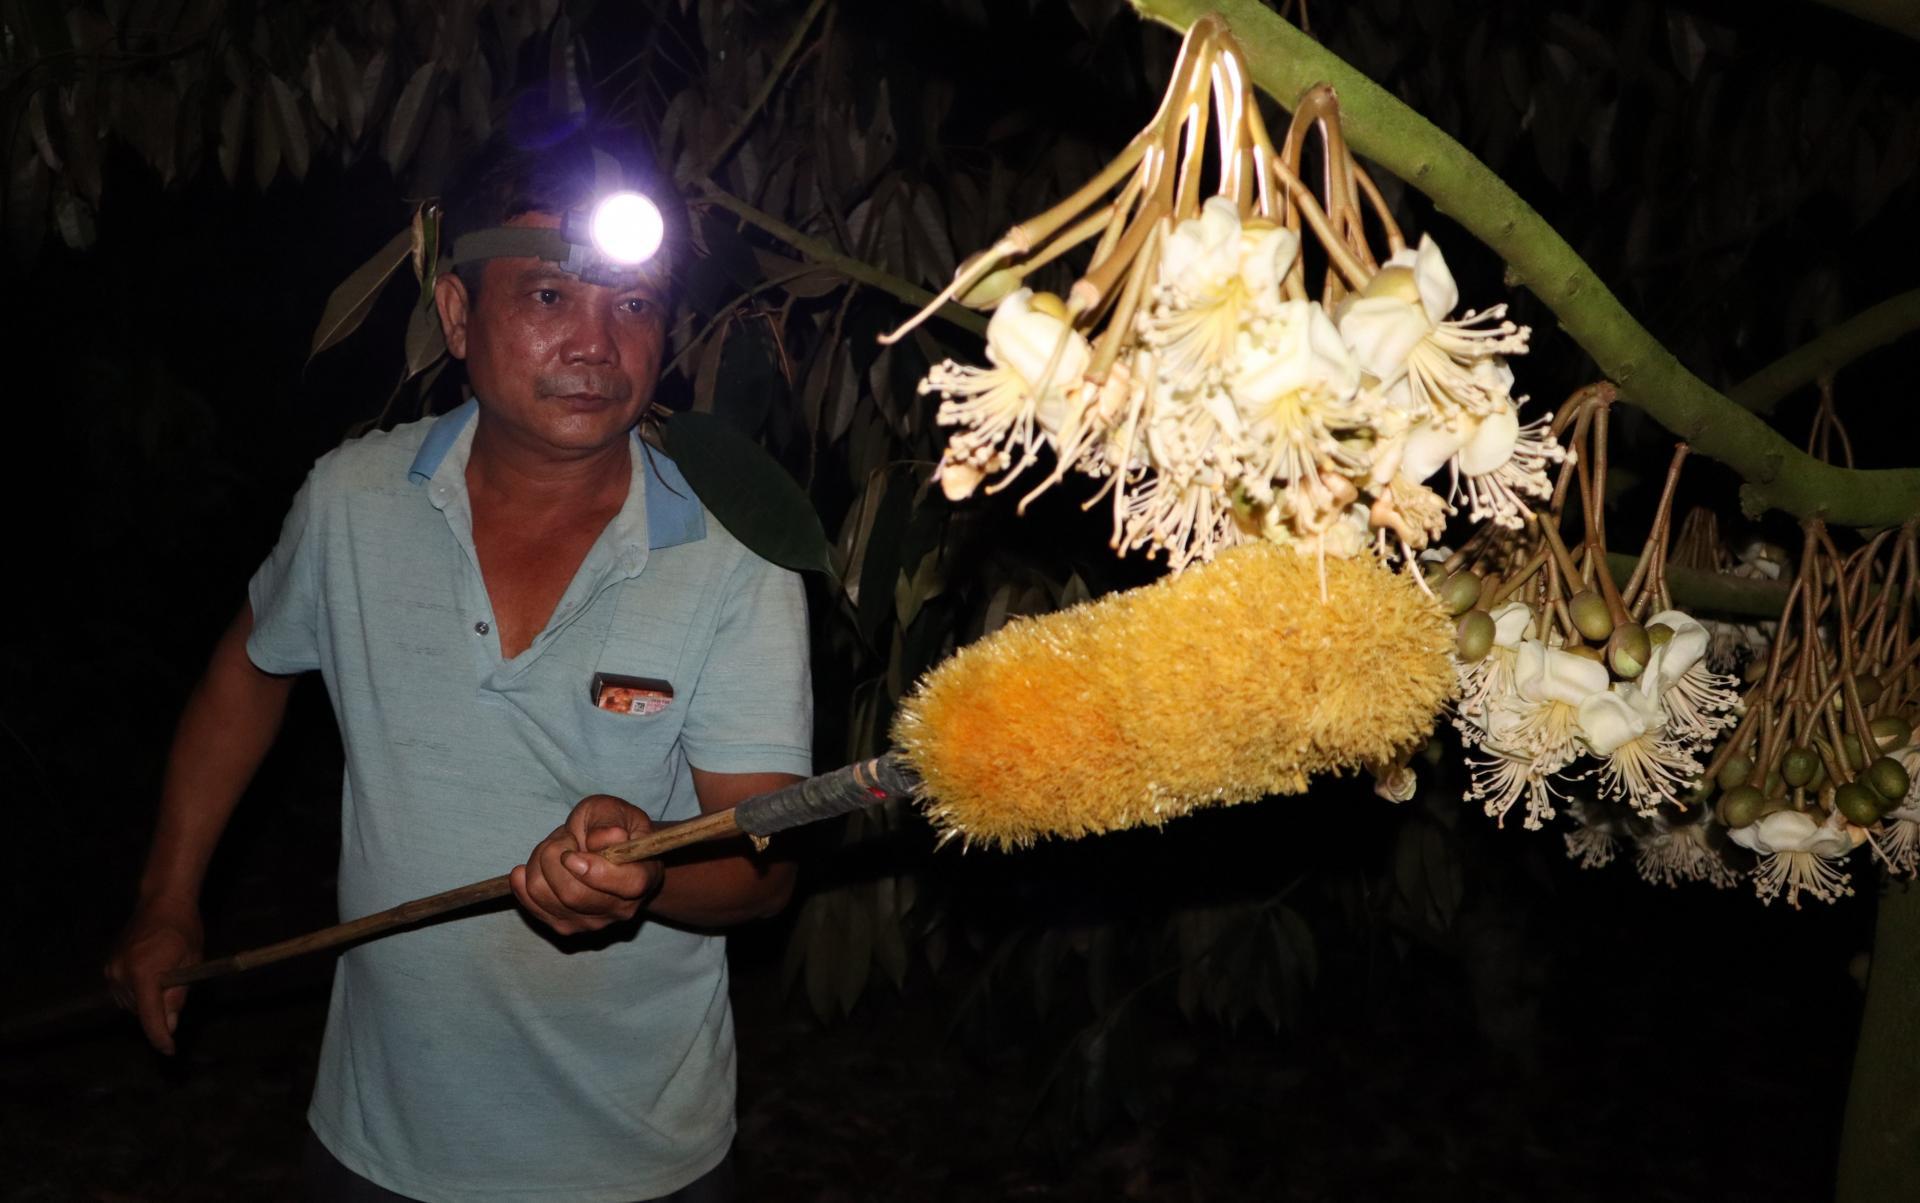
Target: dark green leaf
[
  {"x": 747, "y": 491},
  {"x": 292, "y": 127},
  {"x": 426, "y": 342},
  {"x": 410, "y": 114},
  {"x": 353, "y": 299}
]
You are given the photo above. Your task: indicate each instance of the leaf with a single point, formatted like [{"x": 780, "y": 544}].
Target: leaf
[
  {"x": 28, "y": 185},
  {"x": 73, "y": 218},
  {"x": 233, "y": 133},
  {"x": 320, "y": 89},
  {"x": 409, "y": 121},
  {"x": 855, "y": 959},
  {"x": 292, "y": 126},
  {"x": 80, "y": 116},
  {"x": 266, "y": 144},
  {"x": 707, "y": 374},
  {"x": 426, "y": 341},
  {"x": 748, "y": 491},
  {"x": 348, "y": 85},
  {"x": 563, "y": 72},
  {"x": 476, "y": 97},
  {"x": 353, "y": 299},
  {"x": 808, "y": 284}
]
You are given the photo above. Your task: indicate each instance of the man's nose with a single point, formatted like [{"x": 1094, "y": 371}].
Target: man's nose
[{"x": 591, "y": 340}]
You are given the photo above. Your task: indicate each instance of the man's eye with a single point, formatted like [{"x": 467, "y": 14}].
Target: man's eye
[
  {"x": 638, "y": 306},
  {"x": 546, "y": 296}
]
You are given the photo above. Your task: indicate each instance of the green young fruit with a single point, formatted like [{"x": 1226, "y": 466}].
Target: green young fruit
[
  {"x": 1460, "y": 591},
  {"x": 1584, "y": 652},
  {"x": 1857, "y": 802},
  {"x": 1819, "y": 774},
  {"x": 1590, "y": 615},
  {"x": 1735, "y": 772},
  {"x": 1740, "y": 806},
  {"x": 1473, "y": 636},
  {"x": 1659, "y": 633},
  {"x": 1629, "y": 650},
  {"x": 1888, "y": 778},
  {"x": 1799, "y": 765}
]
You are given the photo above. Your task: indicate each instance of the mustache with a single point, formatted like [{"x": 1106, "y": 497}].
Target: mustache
[{"x": 614, "y": 387}]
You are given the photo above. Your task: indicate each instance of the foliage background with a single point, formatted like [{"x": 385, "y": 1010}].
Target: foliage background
[{"x": 189, "y": 179}]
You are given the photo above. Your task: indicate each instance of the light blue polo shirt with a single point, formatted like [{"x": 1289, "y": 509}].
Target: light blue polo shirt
[{"x": 479, "y": 1058}]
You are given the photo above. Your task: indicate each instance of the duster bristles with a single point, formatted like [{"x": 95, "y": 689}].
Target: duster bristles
[{"x": 1224, "y": 684}]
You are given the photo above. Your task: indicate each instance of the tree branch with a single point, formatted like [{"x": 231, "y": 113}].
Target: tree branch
[
  {"x": 719, "y": 153},
  {"x": 1830, "y": 350},
  {"x": 1286, "y": 63},
  {"x": 823, "y": 254},
  {"x": 1720, "y": 592},
  {"x": 1898, "y": 15}
]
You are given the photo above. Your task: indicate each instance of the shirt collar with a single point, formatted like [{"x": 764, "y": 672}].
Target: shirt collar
[{"x": 673, "y": 514}]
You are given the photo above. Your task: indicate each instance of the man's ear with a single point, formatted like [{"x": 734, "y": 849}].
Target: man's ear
[{"x": 451, "y": 298}]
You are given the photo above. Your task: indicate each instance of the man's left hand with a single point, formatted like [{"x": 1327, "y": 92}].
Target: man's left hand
[{"x": 571, "y": 890}]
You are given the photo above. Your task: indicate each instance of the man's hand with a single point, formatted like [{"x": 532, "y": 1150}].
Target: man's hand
[
  {"x": 570, "y": 890},
  {"x": 154, "y": 942}
]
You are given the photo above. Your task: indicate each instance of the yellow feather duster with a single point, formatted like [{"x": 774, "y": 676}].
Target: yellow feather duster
[{"x": 1221, "y": 685}]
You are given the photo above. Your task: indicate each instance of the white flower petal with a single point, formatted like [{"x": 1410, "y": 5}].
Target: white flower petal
[
  {"x": 1547, "y": 674},
  {"x": 1437, "y": 290},
  {"x": 1022, "y": 340},
  {"x": 1492, "y": 442},
  {"x": 1608, "y": 720}
]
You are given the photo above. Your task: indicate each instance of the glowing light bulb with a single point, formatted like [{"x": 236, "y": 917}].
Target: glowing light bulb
[{"x": 627, "y": 228}]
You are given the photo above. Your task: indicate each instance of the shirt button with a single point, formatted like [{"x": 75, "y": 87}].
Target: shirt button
[{"x": 481, "y": 628}]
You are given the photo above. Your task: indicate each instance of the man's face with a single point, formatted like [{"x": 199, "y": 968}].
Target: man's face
[{"x": 560, "y": 366}]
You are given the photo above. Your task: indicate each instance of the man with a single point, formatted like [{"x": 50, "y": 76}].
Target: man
[{"x": 461, "y": 584}]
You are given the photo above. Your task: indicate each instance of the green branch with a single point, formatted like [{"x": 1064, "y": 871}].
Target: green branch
[
  {"x": 1901, "y": 16},
  {"x": 1830, "y": 351},
  {"x": 1286, "y": 63},
  {"x": 1721, "y": 592},
  {"x": 824, "y": 254}
]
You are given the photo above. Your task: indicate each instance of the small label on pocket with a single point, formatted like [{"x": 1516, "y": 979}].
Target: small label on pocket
[{"x": 630, "y": 695}]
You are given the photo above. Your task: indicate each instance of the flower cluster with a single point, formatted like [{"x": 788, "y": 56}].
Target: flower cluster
[
  {"x": 1534, "y": 705},
  {"x": 1237, "y": 413},
  {"x": 1191, "y": 371}
]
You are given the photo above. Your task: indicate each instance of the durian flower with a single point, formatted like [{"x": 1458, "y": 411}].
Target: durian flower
[
  {"x": 1700, "y": 703},
  {"x": 1549, "y": 687},
  {"x": 1592, "y": 843},
  {"x": 1502, "y": 776},
  {"x": 1798, "y": 856},
  {"x": 1494, "y": 460},
  {"x": 1734, "y": 642},
  {"x": 1898, "y": 840},
  {"x": 1492, "y": 676},
  {"x": 1006, "y": 409},
  {"x": 1295, "y": 395},
  {"x": 1425, "y": 363},
  {"x": 1216, "y": 275},
  {"x": 1671, "y": 853},
  {"x": 1643, "y": 763}
]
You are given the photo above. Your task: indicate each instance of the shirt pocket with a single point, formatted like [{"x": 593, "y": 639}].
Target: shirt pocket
[{"x": 632, "y": 756}]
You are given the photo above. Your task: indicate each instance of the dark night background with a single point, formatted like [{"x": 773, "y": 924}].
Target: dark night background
[{"x": 1462, "y": 1015}]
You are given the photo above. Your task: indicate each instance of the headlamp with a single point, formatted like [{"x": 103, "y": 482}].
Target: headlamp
[{"x": 613, "y": 241}]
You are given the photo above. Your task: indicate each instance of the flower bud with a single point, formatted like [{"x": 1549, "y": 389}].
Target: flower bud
[
  {"x": 1393, "y": 282},
  {"x": 1857, "y": 803},
  {"x": 1590, "y": 615},
  {"x": 1460, "y": 591},
  {"x": 1473, "y": 637},
  {"x": 1888, "y": 778},
  {"x": 991, "y": 289},
  {"x": 1659, "y": 634},
  {"x": 1584, "y": 652},
  {"x": 1890, "y": 731},
  {"x": 1799, "y": 765},
  {"x": 1739, "y": 806},
  {"x": 1628, "y": 650},
  {"x": 1856, "y": 755},
  {"x": 1049, "y": 304},
  {"x": 1735, "y": 772},
  {"x": 1868, "y": 687}
]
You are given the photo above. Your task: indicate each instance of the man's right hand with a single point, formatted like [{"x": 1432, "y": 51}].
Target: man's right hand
[{"x": 154, "y": 942}]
